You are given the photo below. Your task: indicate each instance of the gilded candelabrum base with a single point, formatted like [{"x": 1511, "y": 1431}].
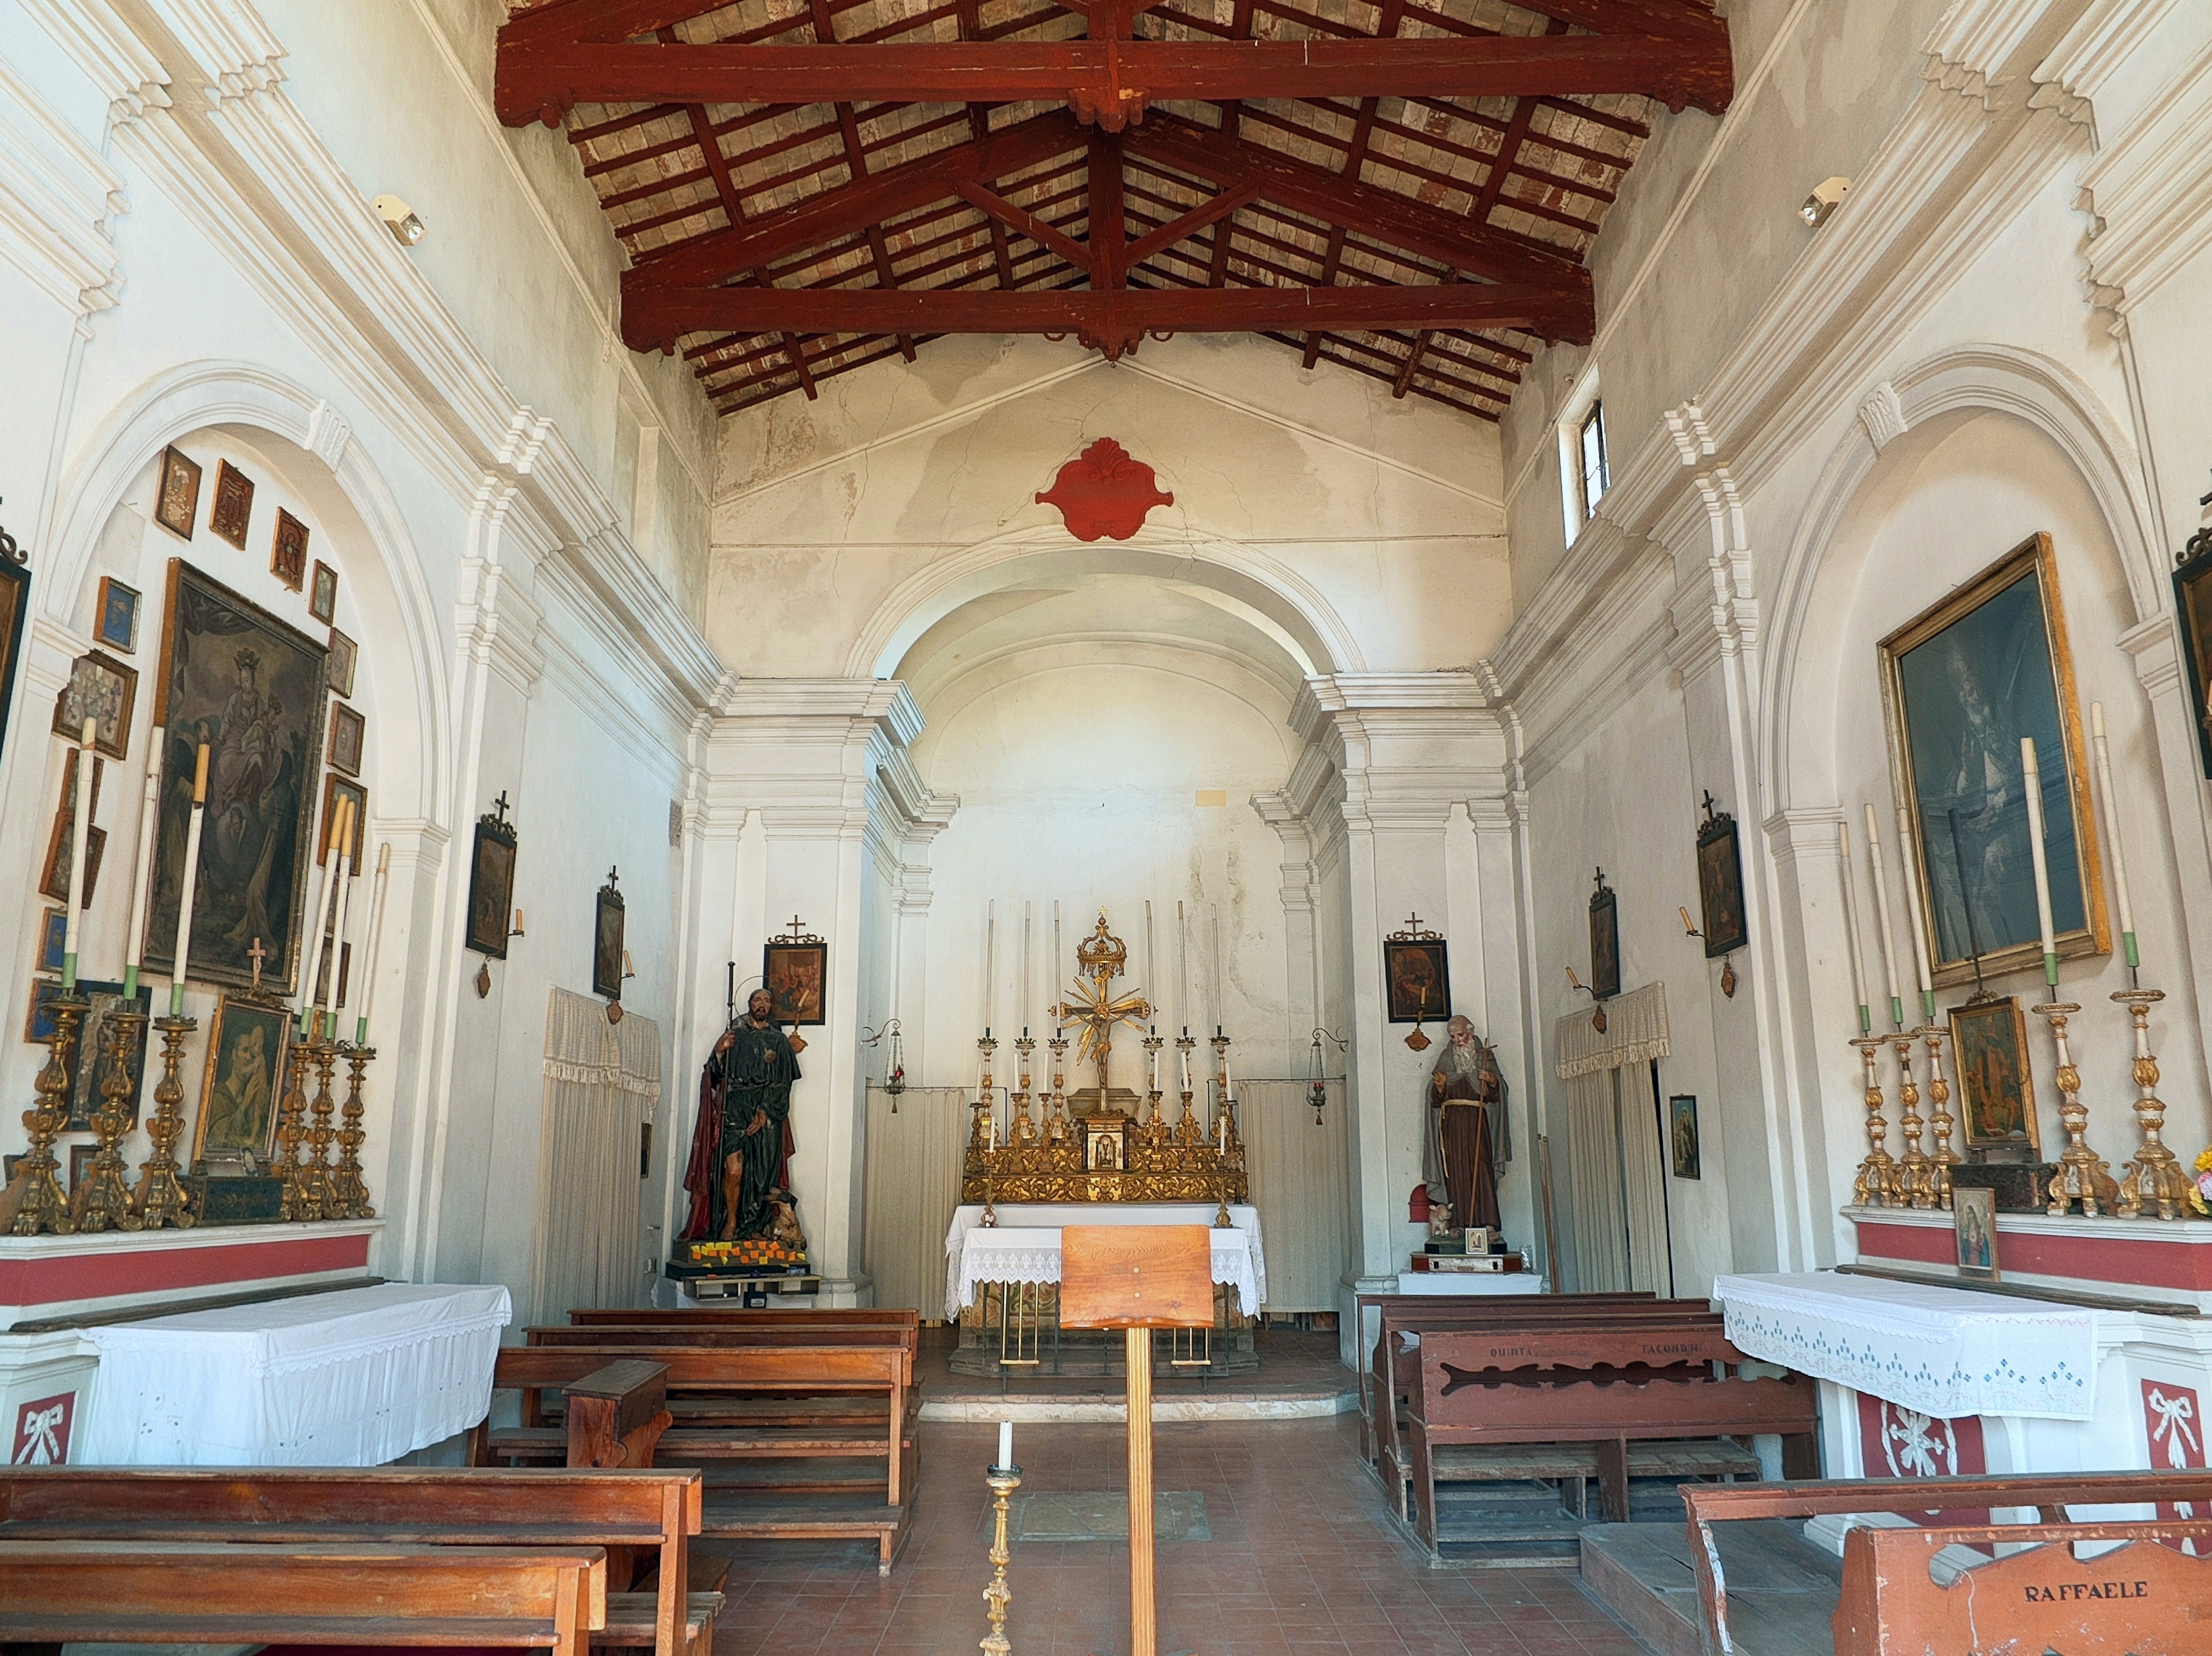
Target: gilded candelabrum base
[
  {"x": 349, "y": 1191},
  {"x": 160, "y": 1198},
  {"x": 1915, "y": 1179},
  {"x": 1004, "y": 1481},
  {"x": 2154, "y": 1177},
  {"x": 102, "y": 1202},
  {"x": 34, "y": 1201},
  {"x": 1876, "y": 1182},
  {"x": 1942, "y": 1158},
  {"x": 2083, "y": 1176},
  {"x": 291, "y": 1134}
]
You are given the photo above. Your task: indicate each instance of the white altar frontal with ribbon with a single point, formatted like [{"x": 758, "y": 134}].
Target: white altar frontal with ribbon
[
  {"x": 1926, "y": 1379},
  {"x": 357, "y": 1377},
  {"x": 1024, "y": 1246}
]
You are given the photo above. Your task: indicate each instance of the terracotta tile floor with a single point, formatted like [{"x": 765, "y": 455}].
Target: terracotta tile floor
[{"x": 1304, "y": 1562}]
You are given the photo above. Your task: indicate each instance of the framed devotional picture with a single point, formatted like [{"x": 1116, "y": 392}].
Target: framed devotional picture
[
  {"x": 323, "y": 596},
  {"x": 1974, "y": 1226},
  {"x": 794, "y": 968},
  {"x": 1996, "y": 1085},
  {"x": 234, "y": 504},
  {"x": 115, "y": 617},
  {"x": 15, "y": 607},
  {"x": 2192, "y": 593},
  {"x": 105, "y": 691},
  {"x": 1963, "y": 684},
  {"x": 491, "y": 884},
  {"x": 287, "y": 558},
  {"x": 1416, "y": 973},
  {"x": 235, "y": 677},
  {"x": 1720, "y": 884},
  {"x": 247, "y": 1038},
  {"x": 349, "y": 738},
  {"x": 178, "y": 506},
  {"x": 1605, "y": 940},
  {"x": 607, "y": 922},
  {"x": 1684, "y": 1154}
]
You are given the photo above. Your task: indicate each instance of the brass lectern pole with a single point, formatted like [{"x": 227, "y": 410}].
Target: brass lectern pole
[{"x": 1144, "y": 1632}]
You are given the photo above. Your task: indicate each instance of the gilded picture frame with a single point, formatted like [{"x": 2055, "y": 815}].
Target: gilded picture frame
[
  {"x": 1974, "y": 1233},
  {"x": 1720, "y": 886},
  {"x": 797, "y": 977},
  {"x": 115, "y": 615},
  {"x": 2192, "y": 597},
  {"x": 1962, "y": 683},
  {"x": 248, "y": 1038},
  {"x": 491, "y": 887},
  {"x": 177, "y": 506},
  {"x": 231, "y": 514},
  {"x": 607, "y": 926},
  {"x": 1416, "y": 978},
  {"x": 1996, "y": 1081},
  {"x": 288, "y": 553},
  {"x": 105, "y": 691}
]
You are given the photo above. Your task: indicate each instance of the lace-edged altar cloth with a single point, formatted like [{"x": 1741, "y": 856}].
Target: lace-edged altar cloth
[{"x": 1024, "y": 1246}]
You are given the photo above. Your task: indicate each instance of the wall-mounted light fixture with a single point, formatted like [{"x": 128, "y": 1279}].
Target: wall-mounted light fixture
[
  {"x": 401, "y": 220},
  {"x": 1827, "y": 195}
]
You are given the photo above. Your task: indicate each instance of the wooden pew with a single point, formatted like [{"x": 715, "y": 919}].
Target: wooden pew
[
  {"x": 196, "y": 1592},
  {"x": 839, "y": 1507},
  {"x": 2145, "y": 1596},
  {"x": 854, "y": 1317},
  {"x": 1609, "y": 1387},
  {"x": 405, "y": 1508}
]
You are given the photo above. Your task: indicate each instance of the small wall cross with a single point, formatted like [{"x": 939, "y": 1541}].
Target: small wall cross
[
  {"x": 612, "y": 876},
  {"x": 500, "y": 804},
  {"x": 256, "y": 954}
]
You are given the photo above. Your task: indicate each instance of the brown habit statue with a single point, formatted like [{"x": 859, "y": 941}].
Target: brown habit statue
[
  {"x": 741, "y": 1149},
  {"x": 1467, "y": 1137}
]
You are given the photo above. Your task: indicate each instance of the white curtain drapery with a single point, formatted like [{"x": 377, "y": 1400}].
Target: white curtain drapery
[
  {"x": 1616, "y": 1191},
  {"x": 602, "y": 1086}
]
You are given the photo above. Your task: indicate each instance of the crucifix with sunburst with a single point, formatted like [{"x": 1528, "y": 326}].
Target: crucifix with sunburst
[{"x": 1101, "y": 958}]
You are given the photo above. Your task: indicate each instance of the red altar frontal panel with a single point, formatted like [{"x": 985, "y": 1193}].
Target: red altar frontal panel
[
  {"x": 2080, "y": 1255},
  {"x": 1898, "y": 1442},
  {"x": 58, "y": 1278}
]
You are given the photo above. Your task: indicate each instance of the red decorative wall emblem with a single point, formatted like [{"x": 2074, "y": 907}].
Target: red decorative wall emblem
[
  {"x": 1105, "y": 493},
  {"x": 2173, "y": 1428},
  {"x": 1895, "y": 1441},
  {"x": 42, "y": 1431}
]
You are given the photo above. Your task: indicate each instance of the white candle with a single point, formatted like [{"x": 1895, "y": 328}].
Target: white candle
[
  {"x": 2111, "y": 805},
  {"x": 1055, "y": 939},
  {"x": 312, "y": 961},
  {"x": 1152, "y": 973},
  {"x": 2031, "y": 779},
  {"x": 1183, "y": 1055},
  {"x": 1221, "y": 1124},
  {"x": 1227, "y": 1090},
  {"x": 1912, "y": 915},
  {"x": 142, "y": 871},
  {"x": 1183, "y": 979},
  {"x": 990, "y": 962},
  {"x": 1006, "y": 1443},
  {"x": 1029, "y": 982},
  {"x": 341, "y": 870},
  {"x": 1851, "y": 923},
  {"x": 80, "y": 831},
  {"x": 191, "y": 886},
  {"x": 378, "y": 890},
  {"x": 1218, "y": 1013},
  {"x": 1154, "y": 1055},
  {"x": 1881, "y": 910}
]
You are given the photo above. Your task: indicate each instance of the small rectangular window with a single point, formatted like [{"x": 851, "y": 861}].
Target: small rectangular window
[{"x": 1594, "y": 478}]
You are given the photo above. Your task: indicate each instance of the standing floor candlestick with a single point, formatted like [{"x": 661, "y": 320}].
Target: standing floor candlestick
[
  {"x": 1876, "y": 1184},
  {"x": 1004, "y": 1481},
  {"x": 1942, "y": 1158},
  {"x": 160, "y": 1198},
  {"x": 2155, "y": 1176},
  {"x": 2083, "y": 1175},
  {"x": 102, "y": 1202},
  {"x": 291, "y": 1133},
  {"x": 34, "y": 1201},
  {"x": 1914, "y": 1184}
]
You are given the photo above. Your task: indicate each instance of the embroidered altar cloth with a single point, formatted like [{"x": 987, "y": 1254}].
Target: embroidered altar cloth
[
  {"x": 356, "y": 1376},
  {"x": 1943, "y": 1351},
  {"x": 1024, "y": 1246}
]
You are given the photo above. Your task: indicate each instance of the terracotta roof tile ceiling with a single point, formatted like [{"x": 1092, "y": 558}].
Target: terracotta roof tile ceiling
[{"x": 788, "y": 218}]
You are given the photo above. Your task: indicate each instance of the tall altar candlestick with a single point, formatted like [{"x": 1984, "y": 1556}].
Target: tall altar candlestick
[
  {"x": 1227, "y": 1090},
  {"x": 1006, "y": 1443},
  {"x": 990, "y": 962},
  {"x": 1912, "y": 914},
  {"x": 2112, "y": 832},
  {"x": 1881, "y": 910},
  {"x": 80, "y": 830},
  {"x": 2032, "y": 779},
  {"x": 311, "y": 955},
  {"x": 379, "y": 890},
  {"x": 142, "y": 871},
  {"x": 1183, "y": 979},
  {"x": 191, "y": 886},
  {"x": 1154, "y": 1055},
  {"x": 1218, "y": 1016},
  {"x": 1029, "y": 983},
  {"x": 342, "y": 871},
  {"x": 1851, "y": 926}
]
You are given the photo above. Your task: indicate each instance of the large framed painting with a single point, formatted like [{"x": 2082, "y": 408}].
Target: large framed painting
[
  {"x": 2192, "y": 592},
  {"x": 87, "y": 1080},
  {"x": 1605, "y": 940},
  {"x": 1417, "y": 975},
  {"x": 607, "y": 942},
  {"x": 491, "y": 887},
  {"x": 1720, "y": 884},
  {"x": 235, "y": 677},
  {"x": 794, "y": 969},
  {"x": 1989, "y": 1051},
  {"x": 14, "y": 606},
  {"x": 1963, "y": 683},
  {"x": 247, "y": 1042}
]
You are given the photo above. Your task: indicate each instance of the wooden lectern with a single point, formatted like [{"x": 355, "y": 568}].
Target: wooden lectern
[{"x": 1138, "y": 1277}]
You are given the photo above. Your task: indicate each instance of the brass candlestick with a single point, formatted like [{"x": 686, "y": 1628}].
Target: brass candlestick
[
  {"x": 1153, "y": 1124},
  {"x": 348, "y": 1191},
  {"x": 160, "y": 1199},
  {"x": 315, "y": 1173},
  {"x": 1913, "y": 1181},
  {"x": 2082, "y": 1175},
  {"x": 103, "y": 1201},
  {"x": 2154, "y": 1175},
  {"x": 1055, "y": 1108},
  {"x": 1877, "y": 1183},
  {"x": 1186, "y": 1129},
  {"x": 1943, "y": 1158},
  {"x": 291, "y": 1132},
  {"x": 1004, "y": 1481},
  {"x": 34, "y": 1201}
]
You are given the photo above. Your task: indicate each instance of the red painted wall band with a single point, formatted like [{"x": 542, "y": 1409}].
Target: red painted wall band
[
  {"x": 2087, "y": 1258},
  {"x": 46, "y": 1281}
]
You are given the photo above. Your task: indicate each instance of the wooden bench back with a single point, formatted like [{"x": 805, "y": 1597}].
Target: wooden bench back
[
  {"x": 1489, "y": 1355},
  {"x": 655, "y": 1334},
  {"x": 76, "y": 1591},
  {"x": 2141, "y": 1598},
  {"x": 773, "y": 1317},
  {"x": 733, "y": 1368},
  {"x": 2050, "y": 1497},
  {"x": 1580, "y": 1409}
]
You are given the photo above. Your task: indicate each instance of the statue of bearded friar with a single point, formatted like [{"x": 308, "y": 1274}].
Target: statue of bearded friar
[{"x": 1467, "y": 1137}]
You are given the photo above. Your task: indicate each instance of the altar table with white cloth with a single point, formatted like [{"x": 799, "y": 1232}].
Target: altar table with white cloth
[
  {"x": 356, "y": 1376},
  {"x": 1024, "y": 1246}
]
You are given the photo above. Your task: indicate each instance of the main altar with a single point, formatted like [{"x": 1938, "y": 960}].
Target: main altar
[{"x": 1102, "y": 1154}]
